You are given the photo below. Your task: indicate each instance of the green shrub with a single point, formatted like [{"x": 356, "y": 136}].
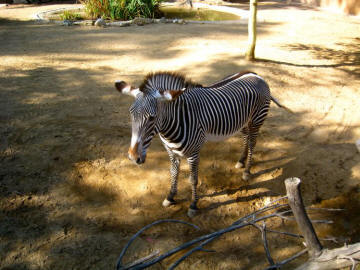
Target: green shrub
[
  {"x": 122, "y": 9},
  {"x": 70, "y": 16}
]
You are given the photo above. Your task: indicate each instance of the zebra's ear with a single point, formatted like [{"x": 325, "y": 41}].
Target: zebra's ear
[
  {"x": 126, "y": 89},
  {"x": 172, "y": 94}
]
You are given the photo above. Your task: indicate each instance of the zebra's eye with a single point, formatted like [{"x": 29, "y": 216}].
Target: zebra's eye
[{"x": 151, "y": 118}]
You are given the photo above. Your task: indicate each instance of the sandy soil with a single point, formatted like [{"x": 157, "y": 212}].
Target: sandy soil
[{"x": 70, "y": 199}]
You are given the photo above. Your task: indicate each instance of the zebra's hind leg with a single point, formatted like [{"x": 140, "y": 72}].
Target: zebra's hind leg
[
  {"x": 244, "y": 155},
  {"x": 253, "y": 128},
  {"x": 194, "y": 166},
  {"x": 174, "y": 174},
  {"x": 253, "y": 132}
]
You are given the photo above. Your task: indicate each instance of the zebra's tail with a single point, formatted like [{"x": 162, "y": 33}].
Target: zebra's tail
[{"x": 280, "y": 105}]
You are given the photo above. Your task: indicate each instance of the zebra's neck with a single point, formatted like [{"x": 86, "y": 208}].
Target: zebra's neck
[{"x": 170, "y": 115}]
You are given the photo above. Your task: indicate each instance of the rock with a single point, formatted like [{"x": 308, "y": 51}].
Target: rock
[
  {"x": 67, "y": 22},
  {"x": 125, "y": 24},
  {"x": 87, "y": 22},
  {"x": 358, "y": 144},
  {"x": 142, "y": 21},
  {"x": 179, "y": 21},
  {"x": 139, "y": 21},
  {"x": 100, "y": 22},
  {"x": 121, "y": 24}
]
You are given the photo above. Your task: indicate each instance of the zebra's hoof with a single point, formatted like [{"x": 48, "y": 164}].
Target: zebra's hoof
[
  {"x": 246, "y": 176},
  {"x": 167, "y": 203},
  {"x": 239, "y": 165},
  {"x": 192, "y": 212}
]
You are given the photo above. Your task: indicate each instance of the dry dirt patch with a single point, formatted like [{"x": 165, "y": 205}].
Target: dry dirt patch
[{"x": 71, "y": 199}]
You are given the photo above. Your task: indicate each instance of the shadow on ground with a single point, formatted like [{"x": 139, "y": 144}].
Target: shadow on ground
[{"x": 70, "y": 199}]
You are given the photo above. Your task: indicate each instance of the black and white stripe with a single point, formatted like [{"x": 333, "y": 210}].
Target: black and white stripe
[{"x": 239, "y": 102}]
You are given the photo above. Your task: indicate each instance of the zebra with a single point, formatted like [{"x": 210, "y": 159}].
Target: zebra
[{"x": 186, "y": 115}]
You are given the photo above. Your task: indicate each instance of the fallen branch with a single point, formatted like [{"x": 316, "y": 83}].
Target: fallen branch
[
  {"x": 266, "y": 208},
  {"x": 279, "y": 264},
  {"x": 265, "y": 243},
  {"x": 205, "y": 239},
  {"x": 333, "y": 239},
  {"x": 197, "y": 248},
  {"x": 334, "y": 259},
  {"x": 324, "y": 209},
  {"x": 320, "y": 258},
  {"x": 119, "y": 262},
  {"x": 141, "y": 260}
]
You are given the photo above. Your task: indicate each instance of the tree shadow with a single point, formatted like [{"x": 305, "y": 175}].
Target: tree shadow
[
  {"x": 66, "y": 133},
  {"x": 277, "y": 4},
  {"x": 347, "y": 56}
]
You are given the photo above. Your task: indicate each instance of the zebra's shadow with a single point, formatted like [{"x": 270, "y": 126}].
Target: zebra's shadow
[
  {"x": 239, "y": 199},
  {"x": 268, "y": 184}
]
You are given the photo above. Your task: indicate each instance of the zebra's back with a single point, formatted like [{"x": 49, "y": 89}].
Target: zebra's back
[{"x": 223, "y": 111}]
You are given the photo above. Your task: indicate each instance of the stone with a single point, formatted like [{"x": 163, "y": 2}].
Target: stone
[
  {"x": 357, "y": 143},
  {"x": 140, "y": 21},
  {"x": 125, "y": 24},
  {"x": 121, "y": 24},
  {"x": 100, "y": 22},
  {"x": 67, "y": 22}
]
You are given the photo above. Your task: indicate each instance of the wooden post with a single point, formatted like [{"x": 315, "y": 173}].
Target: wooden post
[
  {"x": 297, "y": 206},
  {"x": 250, "y": 53}
]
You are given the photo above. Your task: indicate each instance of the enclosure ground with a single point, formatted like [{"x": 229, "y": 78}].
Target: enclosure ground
[{"x": 70, "y": 199}]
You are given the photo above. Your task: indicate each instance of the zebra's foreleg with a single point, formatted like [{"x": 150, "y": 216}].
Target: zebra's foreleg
[
  {"x": 194, "y": 167},
  {"x": 174, "y": 174},
  {"x": 244, "y": 155}
]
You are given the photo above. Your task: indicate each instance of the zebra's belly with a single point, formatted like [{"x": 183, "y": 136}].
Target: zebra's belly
[{"x": 219, "y": 137}]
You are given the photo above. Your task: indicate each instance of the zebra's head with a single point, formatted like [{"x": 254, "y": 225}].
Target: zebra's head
[{"x": 144, "y": 112}]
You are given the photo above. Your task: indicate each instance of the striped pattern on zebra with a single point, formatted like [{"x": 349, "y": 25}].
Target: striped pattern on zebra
[{"x": 186, "y": 115}]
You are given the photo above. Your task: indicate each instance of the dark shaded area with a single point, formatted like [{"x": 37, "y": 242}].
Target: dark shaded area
[
  {"x": 347, "y": 56},
  {"x": 89, "y": 130},
  {"x": 274, "y": 4}
]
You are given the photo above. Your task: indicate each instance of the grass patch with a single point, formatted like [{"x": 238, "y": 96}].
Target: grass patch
[
  {"x": 70, "y": 15},
  {"x": 122, "y": 9}
]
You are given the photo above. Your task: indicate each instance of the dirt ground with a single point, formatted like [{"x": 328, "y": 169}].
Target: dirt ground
[{"x": 70, "y": 199}]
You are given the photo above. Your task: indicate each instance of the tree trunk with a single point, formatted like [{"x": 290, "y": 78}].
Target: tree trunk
[
  {"x": 250, "y": 53},
  {"x": 302, "y": 219}
]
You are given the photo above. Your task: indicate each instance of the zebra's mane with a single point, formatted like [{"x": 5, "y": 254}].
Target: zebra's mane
[{"x": 162, "y": 81}]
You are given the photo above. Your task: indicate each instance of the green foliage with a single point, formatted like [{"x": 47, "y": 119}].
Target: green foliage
[
  {"x": 70, "y": 16},
  {"x": 122, "y": 9}
]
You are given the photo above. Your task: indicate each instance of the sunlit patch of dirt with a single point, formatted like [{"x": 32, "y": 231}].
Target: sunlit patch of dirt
[
  {"x": 70, "y": 198},
  {"x": 345, "y": 220}
]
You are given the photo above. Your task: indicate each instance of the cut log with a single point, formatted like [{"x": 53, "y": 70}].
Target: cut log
[{"x": 297, "y": 206}]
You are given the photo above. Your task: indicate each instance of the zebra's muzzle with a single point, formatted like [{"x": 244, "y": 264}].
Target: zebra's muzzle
[
  {"x": 134, "y": 155},
  {"x": 137, "y": 160}
]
